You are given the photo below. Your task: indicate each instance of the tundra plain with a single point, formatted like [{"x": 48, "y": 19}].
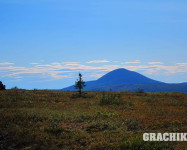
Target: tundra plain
[{"x": 43, "y": 119}]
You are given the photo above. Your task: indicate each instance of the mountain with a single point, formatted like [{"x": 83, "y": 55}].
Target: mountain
[
  {"x": 126, "y": 80},
  {"x": 121, "y": 75}
]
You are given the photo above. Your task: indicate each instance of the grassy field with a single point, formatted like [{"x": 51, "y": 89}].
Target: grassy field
[{"x": 41, "y": 119}]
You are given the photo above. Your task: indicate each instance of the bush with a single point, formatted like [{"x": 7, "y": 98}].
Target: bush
[
  {"x": 2, "y": 86},
  {"x": 111, "y": 99},
  {"x": 132, "y": 124},
  {"x": 14, "y": 88},
  {"x": 105, "y": 114}
]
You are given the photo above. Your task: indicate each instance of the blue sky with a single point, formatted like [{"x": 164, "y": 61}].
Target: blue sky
[{"x": 45, "y": 43}]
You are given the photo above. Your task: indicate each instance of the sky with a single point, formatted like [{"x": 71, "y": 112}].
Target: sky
[{"x": 44, "y": 44}]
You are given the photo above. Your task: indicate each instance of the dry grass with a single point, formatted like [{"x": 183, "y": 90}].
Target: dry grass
[{"x": 41, "y": 119}]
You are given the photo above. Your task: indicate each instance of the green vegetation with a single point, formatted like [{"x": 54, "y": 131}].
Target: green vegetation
[
  {"x": 41, "y": 119},
  {"x": 111, "y": 99}
]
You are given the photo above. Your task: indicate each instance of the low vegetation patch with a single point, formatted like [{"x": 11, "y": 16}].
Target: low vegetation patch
[
  {"x": 113, "y": 99},
  {"x": 137, "y": 143},
  {"x": 41, "y": 119}
]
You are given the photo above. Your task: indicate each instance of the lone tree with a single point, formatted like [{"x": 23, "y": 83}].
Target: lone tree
[
  {"x": 80, "y": 84},
  {"x": 2, "y": 86}
]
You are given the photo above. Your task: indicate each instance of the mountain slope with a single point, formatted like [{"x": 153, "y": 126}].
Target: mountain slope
[
  {"x": 158, "y": 87},
  {"x": 121, "y": 75},
  {"x": 125, "y": 80}
]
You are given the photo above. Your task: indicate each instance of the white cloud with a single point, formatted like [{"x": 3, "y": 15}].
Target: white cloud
[
  {"x": 6, "y": 63},
  {"x": 96, "y": 75},
  {"x": 34, "y": 63},
  {"x": 138, "y": 67},
  {"x": 53, "y": 70},
  {"x": 153, "y": 63},
  {"x": 132, "y": 62},
  {"x": 159, "y": 68},
  {"x": 98, "y": 61},
  {"x": 71, "y": 62},
  {"x": 68, "y": 69},
  {"x": 182, "y": 64}
]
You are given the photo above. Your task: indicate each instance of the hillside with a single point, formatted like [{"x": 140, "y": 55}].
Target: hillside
[{"x": 125, "y": 80}]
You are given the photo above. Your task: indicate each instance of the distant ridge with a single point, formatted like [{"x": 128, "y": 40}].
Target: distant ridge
[{"x": 125, "y": 80}]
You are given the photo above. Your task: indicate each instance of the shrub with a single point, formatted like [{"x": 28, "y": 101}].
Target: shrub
[
  {"x": 111, "y": 99},
  {"x": 106, "y": 114},
  {"x": 15, "y": 88},
  {"x": 140, "y": 90},
  {"x": 132, "y": 124},
  {"x": 2, "y": 86}
]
